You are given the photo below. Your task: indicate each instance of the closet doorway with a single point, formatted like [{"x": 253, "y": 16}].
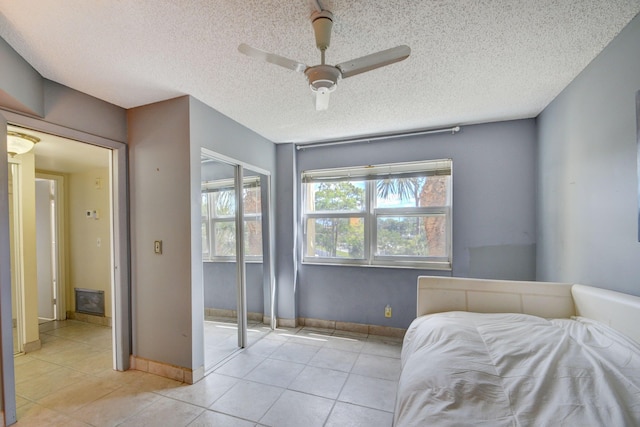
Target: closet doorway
[{"x": 235, "y": 256}]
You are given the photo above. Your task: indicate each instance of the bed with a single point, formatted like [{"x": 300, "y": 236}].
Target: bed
[{"x": 513, "y": 353}]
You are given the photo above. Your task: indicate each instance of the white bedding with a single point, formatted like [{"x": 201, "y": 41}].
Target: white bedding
[{"x": 475, "y": 369}]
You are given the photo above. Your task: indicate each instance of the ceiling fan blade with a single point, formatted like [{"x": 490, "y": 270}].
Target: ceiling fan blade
[
  {"x": 272, "y": 58},
  {"x": 373, "y": 61},
  {"x": 322, "y": 99}
]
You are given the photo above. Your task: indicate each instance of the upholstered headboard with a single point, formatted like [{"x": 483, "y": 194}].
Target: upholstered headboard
[
  {"x": 544, "y": 299},
  {"x": 618, "y": 310}
]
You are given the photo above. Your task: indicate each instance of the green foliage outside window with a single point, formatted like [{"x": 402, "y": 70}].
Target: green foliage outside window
[{"x": 339, "y": 237}]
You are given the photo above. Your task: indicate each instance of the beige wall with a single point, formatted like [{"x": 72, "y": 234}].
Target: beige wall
[
  {"x": 28, "y": 253},
  {"x": 89, "y": 239}
]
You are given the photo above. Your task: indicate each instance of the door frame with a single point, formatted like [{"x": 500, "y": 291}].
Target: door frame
[
  {"x": 16, "y": 263},
  {"x": 121, "y": 297},
  {"x": 59, "y": 256}
]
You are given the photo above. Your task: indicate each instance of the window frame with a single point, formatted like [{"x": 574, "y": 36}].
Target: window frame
[{"x": 371, "y": 213}]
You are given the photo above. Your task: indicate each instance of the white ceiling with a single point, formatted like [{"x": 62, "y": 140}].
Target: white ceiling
[{"x": 472, "y": 60}]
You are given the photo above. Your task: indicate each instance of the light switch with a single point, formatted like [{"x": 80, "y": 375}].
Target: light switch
[{"x": 157, "y": 246}]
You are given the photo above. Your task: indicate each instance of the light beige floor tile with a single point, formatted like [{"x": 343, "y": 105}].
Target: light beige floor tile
[
  {"x": 319, "y": 382},
  {"x": 373, "y": 393},
  {"x": 21, "y": 401},
  {"x": 67, "y": 357},
  {"x": 154, "y": 383},
  {"x": 264, "y": 347},
  {"x": 295, "y": 409},
  {"x": 33, "y": 368},
  {"x": 37, "y": 388},
  {"x": 381, "y": 348},
  {"x": 39, "y": 416},
  {"x": 319, "y": 329},
  {"x": 94, "y": 364},
  {"x": 22, "y": 359},
  {"x": 240, "y": 365},
  {"x": 313, "y": 338},
  {"x": 387, "y": 368},
  {"x": 294, "y": 352},
  {"x": 275, "y": 372},
  {"x": 385, "y": 339},
  {"x": 247, "y": 400},
  {"x": 164, "y": 412},
  {"x": 348, "y": 415},
  {"x": 204, "y": 392},
  {"x": 123, "y": 377},
  {"x": 211, "y": 418},
  {"x": 57, "y": 345},
  {"x": 346, "y": 343},
  {"x": 115, "y": 407},
  {"x": 82, "y": 392},
  {"x": 24, "y": 409},
  {"x": 333, "y": 358}
]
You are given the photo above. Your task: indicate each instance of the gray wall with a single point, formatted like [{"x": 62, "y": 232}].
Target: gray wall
[
  {"x": 285, "y": 226},
  {"x": 216, "y": 132},
  {"x": 161, "y": 210},
  {"x": 587, "y": 180},
  {"x": 21, "y": 86},
  {"x": 220, "y": 286},
  {"x": 493, "y": 219},
  {"x": 77, "y": 110},
  {"x": 212, "y": 130},
  {"x": 23, "y": 90}
]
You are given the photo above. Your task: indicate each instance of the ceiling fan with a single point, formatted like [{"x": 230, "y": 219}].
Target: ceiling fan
[{"x": 323, "y": 78}]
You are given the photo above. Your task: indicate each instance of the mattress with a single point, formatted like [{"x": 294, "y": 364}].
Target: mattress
[{"x": 475, "y": 369}]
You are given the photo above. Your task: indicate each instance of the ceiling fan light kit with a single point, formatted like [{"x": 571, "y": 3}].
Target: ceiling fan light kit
[{"x": 323, "y": 78}]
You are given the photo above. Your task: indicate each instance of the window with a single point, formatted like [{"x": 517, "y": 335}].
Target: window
[
  {"x": 218, "y": 220},
  {"x": 388, "y": 215}
]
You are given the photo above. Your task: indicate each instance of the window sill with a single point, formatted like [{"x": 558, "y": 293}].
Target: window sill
[{"x": 414, "y": 266}]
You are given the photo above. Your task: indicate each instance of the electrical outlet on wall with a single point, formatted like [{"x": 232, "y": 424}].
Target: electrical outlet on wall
[{"x": 387, "y": 311}]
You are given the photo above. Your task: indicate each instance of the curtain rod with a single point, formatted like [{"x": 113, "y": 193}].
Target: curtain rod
[{"x": 453, "y": 130}]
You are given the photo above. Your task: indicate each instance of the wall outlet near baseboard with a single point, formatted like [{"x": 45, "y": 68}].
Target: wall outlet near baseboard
[{"x": 387, "y": 311}]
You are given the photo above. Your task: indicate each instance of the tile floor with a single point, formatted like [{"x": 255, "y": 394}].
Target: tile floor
[
  {"x": 298, "y": 377},
  {"x": 221, "y": 338}
]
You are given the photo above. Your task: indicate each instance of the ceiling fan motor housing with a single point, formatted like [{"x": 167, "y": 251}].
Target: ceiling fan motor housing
[
  {"x": 322, "y": 23},
  {"x": 323, "y": 77}
]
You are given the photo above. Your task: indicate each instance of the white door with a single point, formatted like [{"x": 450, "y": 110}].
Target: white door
[{"x": 46, "y": 248}]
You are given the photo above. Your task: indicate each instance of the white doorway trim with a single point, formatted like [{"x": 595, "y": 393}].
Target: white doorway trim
[
  {"x": 17, "y": 279},
  {"x": 121, "y": 252}
]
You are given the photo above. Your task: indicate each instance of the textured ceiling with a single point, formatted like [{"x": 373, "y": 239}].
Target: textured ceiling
[{"x": 472, "y": 61}]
